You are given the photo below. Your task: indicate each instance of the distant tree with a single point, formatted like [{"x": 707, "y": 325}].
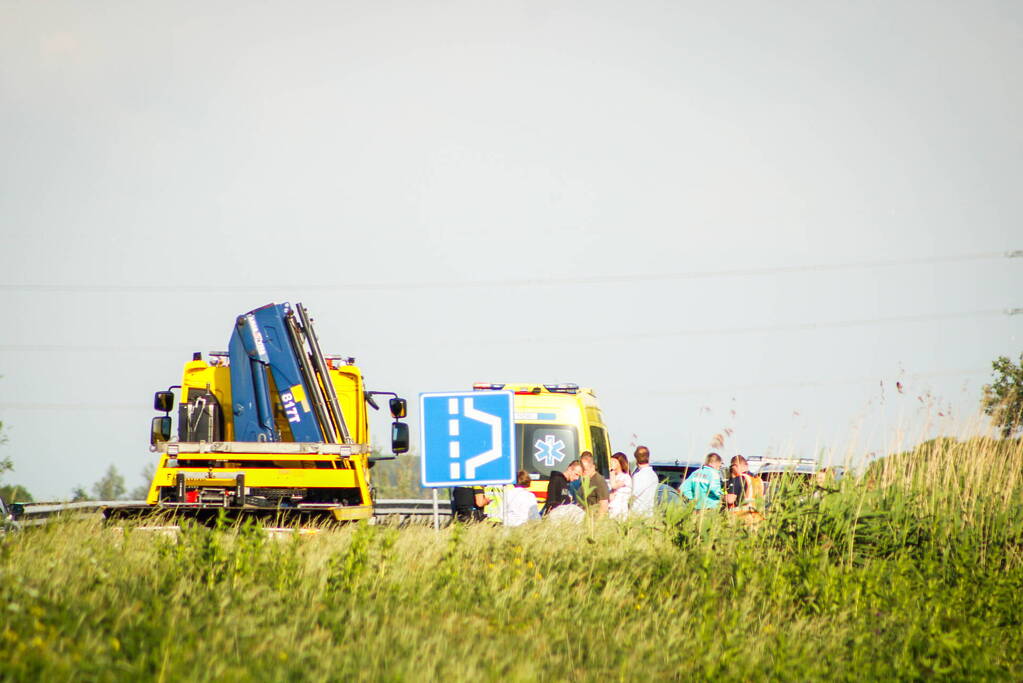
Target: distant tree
[
  {"x": 11, "y": 492},
  {"x": 79, "y": 493},
  {"x": 110, "y": 487},
  {"x": 5, "y": 463},
  {"x": 1003, "y": 398},
  {"x": 15, "y": 493},
  {"x": 142, "y": 490},
  {"x": 398, "y": 478}
]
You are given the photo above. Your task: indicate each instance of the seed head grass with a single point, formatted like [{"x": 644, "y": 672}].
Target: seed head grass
[{"x": 912, "y": 569}]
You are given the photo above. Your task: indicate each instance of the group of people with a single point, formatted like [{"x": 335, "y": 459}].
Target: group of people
[
  {"x": 581, "y": 489},
  {"x": 741, "y": 493}
]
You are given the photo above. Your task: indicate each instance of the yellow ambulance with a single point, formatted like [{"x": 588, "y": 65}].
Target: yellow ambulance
[{"x": 554, "y": 424}]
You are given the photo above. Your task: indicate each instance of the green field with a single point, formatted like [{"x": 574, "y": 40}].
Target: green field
[{"x": 913, "y": 570}]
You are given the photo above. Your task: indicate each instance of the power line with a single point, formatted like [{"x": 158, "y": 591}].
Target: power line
[
  {"x": 809, "y": 384},
  {"x": 507, "y": 282},
  {"x": 795, "y": 327},
  {"x": 572, "y": 339},
  {"x": 94, "y": 348},
  {"x": 143, "y": 406}
]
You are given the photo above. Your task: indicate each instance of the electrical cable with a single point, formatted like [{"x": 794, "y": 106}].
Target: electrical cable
[
  {"x": 603, "y": 279},
  {"x": 632, "y": 392},
  {"x": 574, "y": 339},
  {"x": 810, "y": 384}
]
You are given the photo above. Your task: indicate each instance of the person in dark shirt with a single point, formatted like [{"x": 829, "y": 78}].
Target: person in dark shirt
[
  {"x": 742, "y": 489},
  {"x": 558, "y": 488},
  {"x": 575, "y": 485},
  {"x": 735, "y": 487},
  {"x": 467, "y": 503}
]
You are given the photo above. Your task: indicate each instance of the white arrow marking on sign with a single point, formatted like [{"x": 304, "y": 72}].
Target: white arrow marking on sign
[
  {"x": 455, "y": 468},
  {"x": 492, "y": 421}
]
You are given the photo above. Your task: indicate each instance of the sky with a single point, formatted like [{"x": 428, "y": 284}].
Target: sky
[{"x": 756, "y": 217}]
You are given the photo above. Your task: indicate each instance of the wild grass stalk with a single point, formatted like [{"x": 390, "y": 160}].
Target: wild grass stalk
[{"x": 913, "y": 569}]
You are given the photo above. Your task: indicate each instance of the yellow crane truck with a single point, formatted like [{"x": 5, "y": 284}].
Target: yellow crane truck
[{"x": 269, "y": 429}]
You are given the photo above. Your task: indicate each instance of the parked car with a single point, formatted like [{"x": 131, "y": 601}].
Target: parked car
[
  {"x": 674, "y": 473},
  {"x": 668, "y": 495},
  {"x": 771, "y": 470}
]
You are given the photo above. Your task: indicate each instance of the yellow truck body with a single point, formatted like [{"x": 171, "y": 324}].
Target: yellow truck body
[{"x": 314, "y": 480}]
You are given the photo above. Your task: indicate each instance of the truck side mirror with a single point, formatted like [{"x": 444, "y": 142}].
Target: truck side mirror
[
  {"x": 163, "y": 401},
  {"x": 160, "y": 430},
  {"x": 399, "y": 437},
  {"x": 399, "y": 408}
]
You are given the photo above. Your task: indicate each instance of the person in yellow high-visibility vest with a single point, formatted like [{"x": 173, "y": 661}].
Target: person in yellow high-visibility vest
[
  {"x": 493, "y": 504},
  {"x": 744, "y": 493}
]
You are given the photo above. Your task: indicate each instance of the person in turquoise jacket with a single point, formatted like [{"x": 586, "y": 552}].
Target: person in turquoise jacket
[{"x": 704, "y": 485}]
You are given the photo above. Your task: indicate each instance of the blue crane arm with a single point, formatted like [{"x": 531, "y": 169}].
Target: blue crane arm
[{"x": 262, "y": 346}]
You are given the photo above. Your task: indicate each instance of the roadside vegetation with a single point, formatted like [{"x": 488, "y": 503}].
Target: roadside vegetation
[
  {"x": 914, "y": 569},
  {"x": 397, "y": 478},
  {"x": 1003, "y": 398},
  {"x": 10, "y": 492}
]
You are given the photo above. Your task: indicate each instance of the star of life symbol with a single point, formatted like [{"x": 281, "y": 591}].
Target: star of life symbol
[{"x": 549, "y": 451}]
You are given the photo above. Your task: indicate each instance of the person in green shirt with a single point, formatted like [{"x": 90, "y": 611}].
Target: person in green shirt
[{"x": 703, "y": 486}]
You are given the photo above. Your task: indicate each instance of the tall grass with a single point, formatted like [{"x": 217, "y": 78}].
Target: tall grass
[{"x": 913, "y": 569}]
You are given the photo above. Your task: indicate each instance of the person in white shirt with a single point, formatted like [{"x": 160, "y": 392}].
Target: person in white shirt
[
  {"x": 644, "y": 484},
  {"x": 520, "y": 503},
  {"x": 621, "y": 487}
]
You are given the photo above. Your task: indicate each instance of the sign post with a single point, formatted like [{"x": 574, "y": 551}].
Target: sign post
[
  {"x": 436, "y": 512},
  {"x": 467, "y": 439}
]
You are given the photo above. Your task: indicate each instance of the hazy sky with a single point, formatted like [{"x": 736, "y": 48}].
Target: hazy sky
[{"x": 646, "y": 198}]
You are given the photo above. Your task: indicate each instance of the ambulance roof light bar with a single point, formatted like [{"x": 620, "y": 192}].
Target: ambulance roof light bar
[{"x": 564, "y": 388}]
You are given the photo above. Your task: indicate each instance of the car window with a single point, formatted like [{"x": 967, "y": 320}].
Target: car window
[
  {"x": 600, "y": 450},
  {"x": 673, "y": 475}
]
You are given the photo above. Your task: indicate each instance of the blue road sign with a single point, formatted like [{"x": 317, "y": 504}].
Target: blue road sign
[{"x": 467, "y": 438}]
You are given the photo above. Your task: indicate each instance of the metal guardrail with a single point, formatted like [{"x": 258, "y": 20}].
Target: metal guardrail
[
  {"x": 29, "y": 514},
  {"x": 411, "y": 510},
  {"x": 29, "y": 510},
  {"x": 410, "y": 506},
  {"x": 32, "y": 514}
]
